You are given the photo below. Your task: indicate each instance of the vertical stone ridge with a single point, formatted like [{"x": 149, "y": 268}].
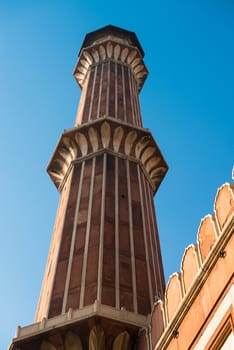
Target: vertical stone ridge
[
  {"x": 134, "y": 287},
  {"x": 87, "y": 236},
  {"x": 72, "y": 247},
  {"x": 145, "y": 238},
  {"x": 101, "y": 239},
  {"x": 117, "y": 292}
]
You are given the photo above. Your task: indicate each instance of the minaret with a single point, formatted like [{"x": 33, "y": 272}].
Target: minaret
[{"x": 104, "y": 267}]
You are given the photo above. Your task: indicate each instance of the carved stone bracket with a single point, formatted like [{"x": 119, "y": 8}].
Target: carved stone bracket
[{"x": 97, "y": 340}]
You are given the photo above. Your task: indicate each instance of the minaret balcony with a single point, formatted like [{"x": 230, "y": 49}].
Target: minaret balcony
[{"x": 107, "y": 135}]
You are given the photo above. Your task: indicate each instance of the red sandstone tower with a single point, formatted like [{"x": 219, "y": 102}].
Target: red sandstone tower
[{"x": 104, "y": 268}]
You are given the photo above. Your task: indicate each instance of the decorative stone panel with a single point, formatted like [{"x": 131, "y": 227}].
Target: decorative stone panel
[
  {"x": 72, "y": 341},
  {"x": 157, "y": 322},
  {"x": 45, "y": 345},
  {"x": 173, "y": 295},
  {"x": 207, "y": 235},
  {"x": 190, "y": 265},
  {"x": 224, "y": 204}
]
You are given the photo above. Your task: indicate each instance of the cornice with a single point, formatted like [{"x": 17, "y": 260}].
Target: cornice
[{"x": 114, "y": 49}]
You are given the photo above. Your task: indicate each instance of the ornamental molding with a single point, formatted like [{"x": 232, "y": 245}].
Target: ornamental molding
[
  {"x": 111, "y": 49},
  {"x": 107, "y": 135}
]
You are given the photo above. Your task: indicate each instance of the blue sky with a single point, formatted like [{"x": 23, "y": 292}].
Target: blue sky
[{"x": 187, "y": 102}]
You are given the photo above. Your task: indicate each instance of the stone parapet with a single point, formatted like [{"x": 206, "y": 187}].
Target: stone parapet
[{"x": 206, "y": 270}]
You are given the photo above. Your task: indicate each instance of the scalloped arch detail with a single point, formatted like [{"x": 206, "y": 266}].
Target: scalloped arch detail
[
  {"x": 105, "y": 134},
  {"x": 117, "y": 138},
  {"x": 207, "y": 235},
  {"x": 82, "y": 142},
  {"x": 224, "y": 204},
  {"x": 46, "y": 345},
  {"x": 72, "y": 341},
  {"x": 122, "y": 341},
  {"x": 173, "y": 294},
  {"x": 97, "y": 136},
  {"x": 93, "y": 138},
  {"x": 111, "y": 50},
  {"x": 190, "y": 265},
  {"x": 96, "y": 338},
  {"x": 129, "y": 141}
]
